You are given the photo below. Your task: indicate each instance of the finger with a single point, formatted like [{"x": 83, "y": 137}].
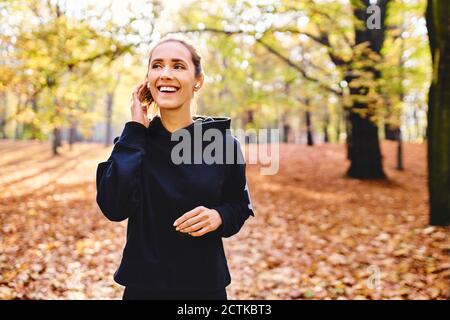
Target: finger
[
  {"x": 189, "y": 222},
  {"x": 195, "y": 227},
  {"x": 137, "y": 89},
  {"x": 200, "y": 232},
  {"x": 142, "y": 87},
  {"x": 188, "y": 215}
]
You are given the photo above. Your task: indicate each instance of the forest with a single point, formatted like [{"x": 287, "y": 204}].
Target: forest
[{"x": 358, "y": 90}]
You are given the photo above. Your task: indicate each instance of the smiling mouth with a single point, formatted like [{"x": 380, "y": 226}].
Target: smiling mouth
[{"x": 168, "y": 89}]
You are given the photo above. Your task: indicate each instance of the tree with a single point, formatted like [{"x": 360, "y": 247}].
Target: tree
[
  {"x": 406, "y": 72},
  {"x": 55, "y": 59},
  {"x": 438, "y": 131},
  {"x": 364, "y": 149},
  {"x": 301, "y": 47}
]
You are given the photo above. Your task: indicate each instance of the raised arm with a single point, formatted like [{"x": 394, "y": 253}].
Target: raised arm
[{"x": 118, "y": 187}]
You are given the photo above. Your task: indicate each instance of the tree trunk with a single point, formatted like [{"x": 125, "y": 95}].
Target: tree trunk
[
  {"x": 418, "y": 132},
  {"x": 18, "y": 132},
  {"x": 309, "y": 135},
  {"x": 286, "y": 132},
  {"x": 72, "y": 133},
  {"x": 286, "y": 127},
  {"x": 31, "y": 127},
  {"x": 438, "y": 130},
  {"x": 109, "y": 109},
  {"x": 338, "y": 124},
  {"x": 401, "y": 64},
  {"x": 364, "y": 149},
  {"x": 248, "y": 119},
  {"x": 250, "y": 116},
  {"x": 326, "y": 138},
  {"x": 399, "y": 151},
  {"x": 56, "y": 141},
  {"x": 391, "y": 132},
  {"x": 348, "y": 131},
  {"x": 394, "y": 133},
  {"x": 3, "y": 106}
]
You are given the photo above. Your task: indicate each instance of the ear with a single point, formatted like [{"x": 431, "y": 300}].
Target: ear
[{"x": 199, "y": 82}]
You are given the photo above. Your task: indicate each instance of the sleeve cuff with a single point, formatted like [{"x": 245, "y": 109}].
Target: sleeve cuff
[
  {"x": 134, "y": 134},
  {"x": 223, "y": 227}
]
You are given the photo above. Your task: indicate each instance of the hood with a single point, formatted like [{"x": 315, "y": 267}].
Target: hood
[{"x": 207, "y": 122}]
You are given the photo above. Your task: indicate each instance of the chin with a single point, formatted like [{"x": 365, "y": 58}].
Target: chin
[{"x": 169, "y": 105}]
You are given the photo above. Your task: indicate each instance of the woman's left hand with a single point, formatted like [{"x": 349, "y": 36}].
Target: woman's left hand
[{"x": 198, "y": 221}]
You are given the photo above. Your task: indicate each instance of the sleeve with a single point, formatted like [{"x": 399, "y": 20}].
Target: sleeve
[
  {"x": 236, "y": 206},
  {"x": 117, "y": 178}
]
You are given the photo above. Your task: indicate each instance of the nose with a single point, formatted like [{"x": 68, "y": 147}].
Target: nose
[{"x": 166, "y": 73}]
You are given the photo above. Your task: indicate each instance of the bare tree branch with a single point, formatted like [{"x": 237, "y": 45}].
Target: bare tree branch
[
  {"x": 297, "y": 67},
  {"x": 269, "y": 48}
]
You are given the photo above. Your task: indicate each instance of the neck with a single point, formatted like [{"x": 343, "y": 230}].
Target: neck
[{"x": 174, "y": 119}]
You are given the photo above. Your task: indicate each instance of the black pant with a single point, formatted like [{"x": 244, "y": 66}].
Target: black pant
[{"x": 136, "y": 293}]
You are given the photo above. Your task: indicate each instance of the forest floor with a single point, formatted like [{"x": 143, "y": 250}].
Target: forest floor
[{"x": 315, "y": 234}]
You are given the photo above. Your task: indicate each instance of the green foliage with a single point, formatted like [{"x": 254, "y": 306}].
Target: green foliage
[
  {"x": 55, "y": 64},
  {"x": 406, "y": 60},
  {"x": 311, "y": 46},
  {"x": 273, "y": 60}
]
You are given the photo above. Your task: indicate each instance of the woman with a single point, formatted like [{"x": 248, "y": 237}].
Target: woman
[{"x": 177, "y": 212}]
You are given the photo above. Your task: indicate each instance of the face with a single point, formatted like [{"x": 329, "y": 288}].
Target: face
[{"x": 171, "y": 75}]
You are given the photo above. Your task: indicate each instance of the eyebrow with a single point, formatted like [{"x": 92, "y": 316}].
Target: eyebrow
[{"x": 173, "y": 60}]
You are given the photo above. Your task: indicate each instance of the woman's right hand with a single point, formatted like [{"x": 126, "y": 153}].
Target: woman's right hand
[{"x": 139, "y": 111}]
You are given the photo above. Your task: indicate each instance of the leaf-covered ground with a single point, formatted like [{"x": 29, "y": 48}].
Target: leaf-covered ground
[{"x": 316, "y": 234}]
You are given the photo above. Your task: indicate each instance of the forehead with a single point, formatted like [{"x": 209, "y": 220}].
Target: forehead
[{"x": 171, "y": 50}]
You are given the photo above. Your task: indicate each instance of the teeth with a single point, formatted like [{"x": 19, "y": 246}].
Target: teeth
[{"x": 170, "y": 89}]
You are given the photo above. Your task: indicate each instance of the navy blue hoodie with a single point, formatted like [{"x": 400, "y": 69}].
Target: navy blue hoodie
[{"x": 140, "y": 182}]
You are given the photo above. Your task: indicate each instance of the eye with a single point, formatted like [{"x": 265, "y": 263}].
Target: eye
[
  {"x": 156, "y": 65},
  {"x": 179, "y": 66}
]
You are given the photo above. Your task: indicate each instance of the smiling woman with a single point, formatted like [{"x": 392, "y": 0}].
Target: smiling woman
[
  {"x": 177, "y": 212},
  {"x": 174, "y": 73}
]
